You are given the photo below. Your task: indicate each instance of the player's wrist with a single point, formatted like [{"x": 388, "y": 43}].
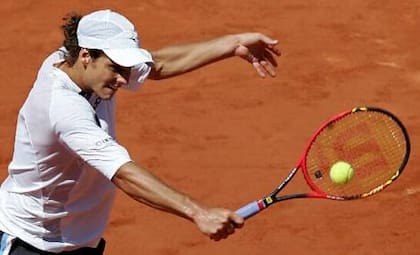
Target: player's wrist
[{"x": 191, "y": 209}]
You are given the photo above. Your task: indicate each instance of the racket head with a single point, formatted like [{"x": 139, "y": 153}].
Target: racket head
[{"x": 372, "y": 140}]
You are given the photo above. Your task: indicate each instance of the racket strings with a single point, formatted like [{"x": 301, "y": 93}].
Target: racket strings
[{"x": 372, "y": 142}]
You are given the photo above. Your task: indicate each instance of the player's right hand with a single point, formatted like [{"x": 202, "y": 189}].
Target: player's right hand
[{"x": 218, "y": 223}]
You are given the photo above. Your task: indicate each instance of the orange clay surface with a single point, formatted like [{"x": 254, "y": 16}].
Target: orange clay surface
[{"x": 226, "y": 136}]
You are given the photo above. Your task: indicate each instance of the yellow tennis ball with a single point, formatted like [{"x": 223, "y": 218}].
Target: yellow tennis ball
[{"x": 341, "y": 172}]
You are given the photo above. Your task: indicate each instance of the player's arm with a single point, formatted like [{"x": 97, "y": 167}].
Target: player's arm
[
  {"x": 256, "y": 48},
  {"x": 146, "y": 188}
]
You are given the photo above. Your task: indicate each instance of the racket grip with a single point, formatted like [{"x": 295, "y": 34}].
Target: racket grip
[{"x": 249, "y": 210}]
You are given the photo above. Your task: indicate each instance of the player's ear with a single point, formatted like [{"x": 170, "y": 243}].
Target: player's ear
[{"x": 84, "y": 56}]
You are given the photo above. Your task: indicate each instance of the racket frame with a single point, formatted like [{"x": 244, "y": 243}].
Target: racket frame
[{"x": 259, "y": 205}]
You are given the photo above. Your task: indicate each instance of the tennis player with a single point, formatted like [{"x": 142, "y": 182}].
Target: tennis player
[{"x": 67, "y": 163}]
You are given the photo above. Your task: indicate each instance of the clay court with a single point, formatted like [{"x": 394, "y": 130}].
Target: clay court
[{"x": 226, "y": 136}]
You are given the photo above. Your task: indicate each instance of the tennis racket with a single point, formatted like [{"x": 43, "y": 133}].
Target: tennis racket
[{"x": 373, "y": 141}]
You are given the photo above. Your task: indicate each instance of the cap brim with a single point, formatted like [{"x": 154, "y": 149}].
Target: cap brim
[{"x": 129, "y": 57}]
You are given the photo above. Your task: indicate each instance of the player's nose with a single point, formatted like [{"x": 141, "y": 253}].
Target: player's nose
[{"x": 120, "y": 81}]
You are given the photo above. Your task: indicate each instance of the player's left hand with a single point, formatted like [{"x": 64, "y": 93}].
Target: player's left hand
[{"x": 259, "y": 50}]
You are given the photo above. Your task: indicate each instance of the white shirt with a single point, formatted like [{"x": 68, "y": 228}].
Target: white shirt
[{"x": 58, "y": 194}]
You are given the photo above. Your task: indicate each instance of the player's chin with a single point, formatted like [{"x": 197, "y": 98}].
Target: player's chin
[{"x": 107, "y": 94}]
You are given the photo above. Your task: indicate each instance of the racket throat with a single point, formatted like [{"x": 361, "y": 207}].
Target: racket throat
[
  {"x": 291, "y": 196},
  {"x": 269, "y": 200},
  {"x": 259, "y": 205}
]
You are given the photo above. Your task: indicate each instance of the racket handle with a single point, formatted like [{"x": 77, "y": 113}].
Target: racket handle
[{"x": 250, "y": 209}]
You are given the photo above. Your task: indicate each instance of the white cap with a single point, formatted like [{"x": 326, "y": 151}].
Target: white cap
[{"x": 115, "y": 35}]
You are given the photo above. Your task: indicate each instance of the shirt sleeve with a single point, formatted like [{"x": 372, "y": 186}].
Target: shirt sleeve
[
  {"x": 74, "y": 121},
  {"x": 138, "y": 75}
]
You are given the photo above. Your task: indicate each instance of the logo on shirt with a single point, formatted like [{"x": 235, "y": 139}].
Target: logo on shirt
[{"x": 104, "y": 141}]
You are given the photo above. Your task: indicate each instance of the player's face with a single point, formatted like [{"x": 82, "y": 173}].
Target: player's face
[{"x": 104, "y": 77}]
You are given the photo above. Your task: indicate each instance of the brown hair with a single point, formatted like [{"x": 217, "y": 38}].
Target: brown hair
[{"x": 71, "y": 21}]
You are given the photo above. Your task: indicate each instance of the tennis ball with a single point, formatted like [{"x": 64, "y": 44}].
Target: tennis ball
[{"x": 341, "y": 172}]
